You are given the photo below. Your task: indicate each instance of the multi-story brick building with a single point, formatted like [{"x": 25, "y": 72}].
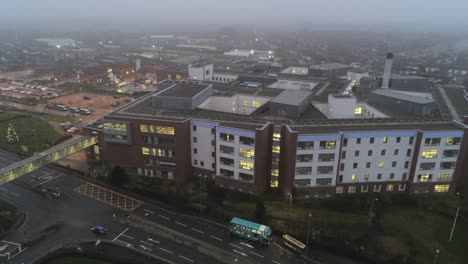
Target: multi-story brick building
[{"x": 224, "y": 132}]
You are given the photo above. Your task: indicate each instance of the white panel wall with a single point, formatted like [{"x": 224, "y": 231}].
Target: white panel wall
[{"x": 204, "y": 147}]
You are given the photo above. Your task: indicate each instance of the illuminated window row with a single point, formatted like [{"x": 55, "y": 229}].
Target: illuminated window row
[
  {"x": 157, "y": 129},
  {"x": 246, "y": 165},
  {"x": 157, "y": 152},
  {"x": 441, "y": 188},
  {"x": 115, "y": 126},
  {"x": 248, "y": 153},
  {"x": 430, "y": 154}
]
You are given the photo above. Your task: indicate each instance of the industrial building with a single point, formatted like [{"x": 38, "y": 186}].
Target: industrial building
[{"x": 420, "y": 104}]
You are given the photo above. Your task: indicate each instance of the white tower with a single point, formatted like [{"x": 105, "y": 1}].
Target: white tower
[{"x": 387, "y": 71}]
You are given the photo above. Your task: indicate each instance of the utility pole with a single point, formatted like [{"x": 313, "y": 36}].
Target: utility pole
[
  {"x": 308, "y": 232},
  {"x": 455, "y": 220}
]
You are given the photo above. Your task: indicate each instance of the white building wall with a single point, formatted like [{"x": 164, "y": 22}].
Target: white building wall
[
  {"x": 202, "y": 131},
  {"x": 202, "y": 73},
  {"x": 341, "y": 106}
]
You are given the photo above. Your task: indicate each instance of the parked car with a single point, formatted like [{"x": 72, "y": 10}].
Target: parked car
[
  {"x": 100, "y": 230},
  {"x": 74, "y": 109},
  {"x": 116, "y": 103},
  {"x": 85, "y": 111},
  {"x": 86, "y": 97},
  {"x": 72, "y": 130}
]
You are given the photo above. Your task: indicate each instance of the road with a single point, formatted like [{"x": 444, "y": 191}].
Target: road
[{"x": 83, "y": 205}]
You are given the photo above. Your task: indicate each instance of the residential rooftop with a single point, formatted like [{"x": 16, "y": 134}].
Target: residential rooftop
[{"x": 183, "y": 90}]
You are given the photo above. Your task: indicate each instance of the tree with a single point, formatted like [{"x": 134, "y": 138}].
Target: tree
[
  {"x": 12, "y": 137},
  {"x": 118, "y": 176},
  {"x": 260, "y": 211}
]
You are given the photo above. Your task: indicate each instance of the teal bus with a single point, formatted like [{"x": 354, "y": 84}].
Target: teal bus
[{"x": 250, "y": 230}]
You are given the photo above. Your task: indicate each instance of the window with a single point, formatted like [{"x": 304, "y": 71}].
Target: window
[
  {"x": 213, "y": 131},
  {"x": 368, "y": 164},
  {"x": 351, "y": 189},
  {"x": 345, "y": 142},
  {"x": 353, "y": 177},
  {"x": 304, "y": 157},
  {"x": 324, "y": 169},
  {"x": 442, "y": 188},
  {"x": 358, "y": 140},
  {"x": 340, "y": 178},
  {"x": 195, "y": 162},
  {"x": 398, "y": 139},
  {"x": 342, "y": 166},
  {"x": 305, "y": 145},
  {"x": 452, "y": 141},
  {"x": 247, "y": 140},
  {"x": 366, "y": 177},
  {"x": 226, "y": 137},
  {"x": 377, "y": 188},
  {"x": 395, "y": 152},
  {"x": 381, "y": 164},
  {"x": 276, "y": 136},
  {"x": 144, "y": 128},
  {"x": 364, "y": 188},
  {"x": 165, "y": 130},
  {"x": 430, "y": 154},
  {"x": 339, "y": 189},
  {"x": 393, "y": 164},
  {"x": 327, "y": 144},
  {"x": 275, "y": 149},
  {"x": 202, "y": 163},
  {"x": 355, "y": 165},
  {"x": 256, "y": 103},
  {"x": 450, "y": 153},
  {"x": 145, "y": 151},
  {"x": 406, "y": 164},
  {"x": 371, "y": 140},
  {"x": 245, "y": 177},
  {"x": 369, "y": 153},
  {"x": 343, "y": 154},
  {"x": 403, "y": 177},
  {"x": 356, "y": 153},
  {"x": 424, "y": 177},
  {"x": 411, "y": 139},
  {"x": 302, "y": 182},
  {"x": 226, "y": 149},
  {"x": 195, "y": 151},
  {"x": 392, "y": 175},
  {"x": 248, "y": 153},
  {"x": 444, "y": 176},
  {"x": 303, "y": 170},
  {"x": 447, "y": 165},
  {"x": 401, "y": 187},
  {"x": 385, "y": 140},
  {"x": 408, "y": 152},
  {"x": 194, "y": 128},
  {"x": 226, "y": 173},
  {"x": 194, "y": 139},
  {"x": 427, "y": 166},
  {"x": 326, "y": 157},
  {"x": 379, "y": 176},
  {"x": 390, "y": 188},
  {"x": 432, "y": 142},
  {"x": 246, "y": 165},
  {"x": 226, "y": 161},
  {"x": 323, "y": 181},
  {"x": 358, "y": 110},
  {"x": 115, "y": 126},
  {"x": 245, "y": 103},
  {"x": 382, "y": 153}
]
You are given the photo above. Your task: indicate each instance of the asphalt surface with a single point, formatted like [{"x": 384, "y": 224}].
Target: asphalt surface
[{"x": 76, "y": 212}]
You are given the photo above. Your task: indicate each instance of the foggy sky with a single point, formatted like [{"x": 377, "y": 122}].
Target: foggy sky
[{"x": 419, "y": 14}]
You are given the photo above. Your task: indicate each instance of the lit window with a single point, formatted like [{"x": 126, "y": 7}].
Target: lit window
[
  {"x": 275, "y": 149},
  {"x": 381, "y": 164},
  {"x": 245, "y": 103},
  {"x": 275, "y": 172},
  {"x": 165, "y": 130},
  {"x": 385, "y": 139},
  {"x": 276, "y": 136},
  {"x": 452, "y": 141},
  {"x": 366, "y": 177},
  {"x": 256, "y": 103},
  {"x": 96, "y": 149},
  {"x": 432, "y": 142},
  {"x": 178, "y": 76},
  {"x": 444, "y": 176},
  {"x": 351, "y": 189},
  {"x": 424, "y": 177},
  {"x": 390, "y": 188},
  {"x": 145, "y": 151},
  {"x": 353, "y": 177},
  {"x": 430, "y": 154},
  {"x": 144, "y": 128},
  {"x": 115, "y": 126},
  {"x": 248, "y": 153},
  {"x": 246, "y": 165},
  {"x": 339, "y": 189},
  {"x": 274, "y": 184},
  {"x": 327, "y": 144},
  {"x": 441, "y": 188},
  {"x": 358, "y": 110}
]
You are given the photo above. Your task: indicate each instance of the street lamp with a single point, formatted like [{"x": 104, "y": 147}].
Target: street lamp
[
  {"x": 371, "y": 212},
  {"x": 436, "y": 256},
  {"x": 455, "y": 220},
  {"x": 308, "y": 231}
]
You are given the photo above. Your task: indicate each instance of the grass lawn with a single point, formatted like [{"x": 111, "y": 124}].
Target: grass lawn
[
  {"x": 33, "y": 132},
  {"x": 76, "y": 260}
]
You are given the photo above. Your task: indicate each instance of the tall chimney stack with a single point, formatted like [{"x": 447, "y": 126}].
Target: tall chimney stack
[{"x": 387, "y": 71}]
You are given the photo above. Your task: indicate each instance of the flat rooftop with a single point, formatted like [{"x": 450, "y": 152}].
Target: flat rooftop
[
  {"x": 404, "y": 96},
  {"x": 292, "y": 97},
  {"x": 330, "y": 66},
  {"x": 183, "y": 90}
]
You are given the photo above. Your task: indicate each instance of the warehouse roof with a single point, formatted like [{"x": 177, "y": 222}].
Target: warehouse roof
[
  {"x": 292, "y": 97},
  {"x": 403, "y": 96}
]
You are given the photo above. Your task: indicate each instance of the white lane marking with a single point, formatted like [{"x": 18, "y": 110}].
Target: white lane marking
[
  {"x": 256, "y": 254},
  {"x": 162, "y": 216},
  {"x": 217, "y": 238},
  {"x": 128, "y": 236},
  {"x": 3, "y": 189},
  {"x": 144, "y": 242},
  {"x": 15, "y": 194},
  {"x": 191, "y": 260},
  {"x": 121, "y": 234},
  {"x": 152, "y": 240},
  {"x": 246, "y": 244},
  {"x": 48, "y": 180},
  {"x": 276, "y": 262},
  {"x": 151, "y": 212},
  {"x": 145, "y": 248},
  {"x": 179, "y": 223},
  {"x": 199, "y": 231},
  {"x": 242, "y": 253},
  {"x": 235, "y": 246},
  {"x": 125, "y": 243},
  {"x": 165, "y": 250}
]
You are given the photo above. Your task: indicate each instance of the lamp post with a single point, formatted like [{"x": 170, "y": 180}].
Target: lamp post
[
  {"x": 308, "y": 232},
  {"x": 371, "y": 211},
  {"x": 455, "y": 220},
  {"x": 436, "y": 256}
]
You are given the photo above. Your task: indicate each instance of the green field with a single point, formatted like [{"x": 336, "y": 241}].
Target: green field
[
  {"x": 33, "y": 132},
  {"x": 75, "y": 260}
]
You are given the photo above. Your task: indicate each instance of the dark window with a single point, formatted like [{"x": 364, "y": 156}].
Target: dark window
[
  {"x": 369, "y": 153},
  {"x": 194, "y": 139},
  {"x": 345, "y": 142},
  {"x": 356, "y": 153},
  {"x": 395, "y": 152},
  {"x": 406, "y": 164},
  {"x": 342, "y": 167},
  {"x": 379, "y": 176},
  {"x": 432, "y": 142},
  {"x": 195, "y": 162},
  {"x": 302, "y": 182},
  {"x": 403, "y": 178},
  {"x": 371, "y": 140},
  {"x": 340, "y": 178},
  {"x": 323, "y": 181},
  {"x": 450, "y": 153},
  {"x": 305, "y": 145},
  {"x": 393, "y": 164},
  {"x": 355, "y": 165},
  {"x": 324, "y": 169},
  {"x": 194, "y": 128},
  {"x": 245, "y": 176},
  {"x": 368, "y": 165},
  {"x": 226, "y": 149},
  {"x": 447, "y": 165},
  {"x": 226, "y": 173},
  {"x": 304, "y": 157},
  {"x": 202, "y": 163},
  {"x": 382, "y": 153},
  {"x": 358, "y": 141},
  {"x": 226, "y": 161},
  {"x": 392, "y": 175},
  {"x": 195, "y": 151},
  {"x": 213, "y": 131},
  {"x": 411, "y": 139},
  {"x": 247, "y": 140},
  {"x": 326, "y": 157},
  {"x": 303, "y": 170},
  {"x": 343, "y": 154},
  {"x": 212, "y": 154},
  {"x": 398, "y": 139},
  {"x": 408, "y": 153},
  {"x": 427, "y": 166},
  {"x": 226, "y": 137}
]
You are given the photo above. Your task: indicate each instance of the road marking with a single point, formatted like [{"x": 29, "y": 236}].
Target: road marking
[
  {"x": 152, "y": 240},
  {"x": 53, "y": 178},
  {"x": 15, "y": 194},
  {"x": 179, "y": 223},
  {"x": 151, "y": 212},
  {"x": 256, "y": 254},
  {"x": 199, "y": 231},
  {"x": 162, "y": 216},
  {"x": 125, "y": 243},
  {"x": 3, "y": 189},
  {"x": 165, "y": 250},
  {"x": 235, "y": 246},
  {"x": 217, "y": 238},
  {"x": 128, "y": 236},
  {"x": 121, "y": 234},
  {"x": 246, "y": 244},
  {"x": 276, "y": 262},
  {"x": 186, "y": 258},
  {"x": 242, "y": 253},
  {"x": 146, "y": 243}
]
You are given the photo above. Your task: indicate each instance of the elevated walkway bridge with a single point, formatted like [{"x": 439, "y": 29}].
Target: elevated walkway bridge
[{"x": 39, "y": 160}]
